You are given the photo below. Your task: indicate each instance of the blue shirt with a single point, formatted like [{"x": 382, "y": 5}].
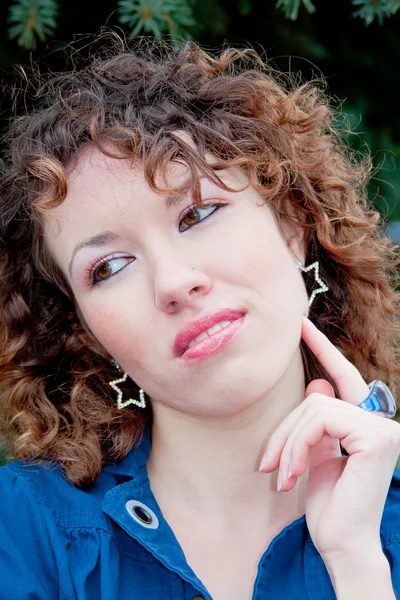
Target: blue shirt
[{"x": 112, "y": 542}]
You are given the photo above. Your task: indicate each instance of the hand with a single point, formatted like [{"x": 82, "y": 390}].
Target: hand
[{"x": 345, "y": 496}]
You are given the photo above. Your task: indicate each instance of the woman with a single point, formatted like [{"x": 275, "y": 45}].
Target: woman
[{"x": 169, "y": 221}]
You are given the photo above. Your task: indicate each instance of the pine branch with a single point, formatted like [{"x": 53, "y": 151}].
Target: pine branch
[
  {"x": 32, "y": 19},
  {"x": 392, "y": 6},
  {"x": 375, "y": 9},
  {"x": 157, "y": 17},
  {"x": 291, "y": 8}
]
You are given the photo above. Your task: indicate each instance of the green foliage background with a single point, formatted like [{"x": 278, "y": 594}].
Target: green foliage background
[{"x": 355, "y": 44}]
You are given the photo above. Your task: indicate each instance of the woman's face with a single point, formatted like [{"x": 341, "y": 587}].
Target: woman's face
[{"x": 145, "y": 303}]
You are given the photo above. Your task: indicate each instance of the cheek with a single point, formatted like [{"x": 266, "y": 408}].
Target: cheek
[
  {"x": 121, "y": 333},
  {"x": 263, "y": 264},
  {"x": 259, "y": 258}
]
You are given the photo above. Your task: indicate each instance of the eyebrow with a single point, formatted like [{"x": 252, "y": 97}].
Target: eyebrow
[
  {"x": 105, "y": 237},
  {"x": 96, "y": 241},
  {"x": 171, "y": 201}
]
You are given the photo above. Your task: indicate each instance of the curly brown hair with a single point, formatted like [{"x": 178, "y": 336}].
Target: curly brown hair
[{"x": 130, "y": 102}]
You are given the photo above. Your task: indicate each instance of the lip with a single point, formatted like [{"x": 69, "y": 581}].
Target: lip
[{"x": 195, "y": 328}]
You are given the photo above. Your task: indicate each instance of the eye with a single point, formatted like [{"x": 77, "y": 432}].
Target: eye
[
  {"x": 194, "y": 215},
  {"x": 105, "y": 268}
]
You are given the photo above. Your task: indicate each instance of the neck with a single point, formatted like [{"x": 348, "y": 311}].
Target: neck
[{"x": 210, "y": 466}]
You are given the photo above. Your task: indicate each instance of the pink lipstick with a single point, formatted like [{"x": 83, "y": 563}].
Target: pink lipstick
[{"x": 214, "y": 331}]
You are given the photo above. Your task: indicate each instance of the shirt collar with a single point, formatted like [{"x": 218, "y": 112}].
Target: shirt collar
[
  {"x": 160, "y": 541},
  {"x": 137, "y": 457}
]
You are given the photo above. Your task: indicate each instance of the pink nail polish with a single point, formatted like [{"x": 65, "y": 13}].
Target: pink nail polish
[
  {"x": 290, "y": 468},
  {"x": 263, "y": 462}
]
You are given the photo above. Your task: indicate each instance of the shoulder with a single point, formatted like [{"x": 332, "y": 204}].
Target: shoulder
[
  {"x": 28, "y": 536},
  {"x": 29, "y": 488},
  {"x": 49, "y": 531}
]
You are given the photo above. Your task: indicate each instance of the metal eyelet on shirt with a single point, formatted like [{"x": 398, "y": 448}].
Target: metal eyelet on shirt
[{"x": 142, "y": 514}]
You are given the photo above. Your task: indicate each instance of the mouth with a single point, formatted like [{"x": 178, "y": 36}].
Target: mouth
[{"x": 207, "y": 334}]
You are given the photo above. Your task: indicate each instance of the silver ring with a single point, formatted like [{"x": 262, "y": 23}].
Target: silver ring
[{"x": 380, "y": 399}]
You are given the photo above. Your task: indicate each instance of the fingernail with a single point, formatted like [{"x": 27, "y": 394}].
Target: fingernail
[
  {"x": 290, "y": 468},
  {"x": 279, "y": 482},
  {"x": 263, "y": 462}
]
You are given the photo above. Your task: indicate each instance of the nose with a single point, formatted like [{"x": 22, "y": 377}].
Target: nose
[{"x": 178, "y": 283}]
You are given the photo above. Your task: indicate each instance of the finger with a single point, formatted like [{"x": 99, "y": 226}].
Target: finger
[
  {"x": 320, "y": 386},
  {"x": 310, "y": 433},
  {"x": 311, "y": 437},
  {"x": 328, "y": 448},
  {"x": 358, "y": 431},
  {"x": 351, "y": 385},
  {"x": 271, "y": 457},
  {"x": 331, "y": 408},
  {"x": 270, "y": 460}
]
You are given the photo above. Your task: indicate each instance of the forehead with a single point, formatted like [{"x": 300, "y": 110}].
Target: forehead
[
  {"x": 100, "y": 186},
  {"x": 93, "y": 171}
]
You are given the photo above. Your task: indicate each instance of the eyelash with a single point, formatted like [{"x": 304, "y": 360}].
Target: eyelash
[
  {"x": 90, "y": 275},
  {"x": 186, "y": 211}
]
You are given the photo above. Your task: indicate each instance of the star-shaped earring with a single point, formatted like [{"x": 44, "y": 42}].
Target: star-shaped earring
[
  {"x": 323, "y": 287},
  {"x": 140, "y": 403}
]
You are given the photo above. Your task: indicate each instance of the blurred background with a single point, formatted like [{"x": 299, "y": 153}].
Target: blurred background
[{"x": 354, "y": 44}]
